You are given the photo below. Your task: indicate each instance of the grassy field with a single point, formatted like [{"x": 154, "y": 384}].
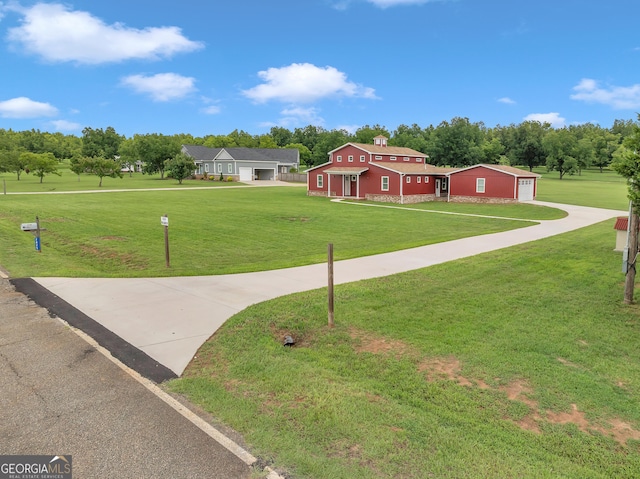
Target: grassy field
[
  {"x": 591, "y": 188},
  {"x": 213, "y": 231},
  {"x": 69, "y": 181},
  {"x": 518, "y": 363}
]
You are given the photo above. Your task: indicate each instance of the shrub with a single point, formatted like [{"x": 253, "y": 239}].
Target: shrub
[{"x": 229, "y": 179}]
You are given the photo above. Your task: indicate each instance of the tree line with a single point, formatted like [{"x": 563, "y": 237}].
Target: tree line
[{"x": 456, "y": 143}]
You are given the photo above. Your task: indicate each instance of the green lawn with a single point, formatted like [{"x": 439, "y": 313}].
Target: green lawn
[
  {"x": 467, "y": 369},
  {"x": 69, "y": 181},
  {"x": 211, "y": 231},
  {"x": 592, "y": 188}
]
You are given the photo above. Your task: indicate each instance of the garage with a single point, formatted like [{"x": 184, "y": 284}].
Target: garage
[
  {"x": 246, "y": 173},
  {"x": 525, "y": 189},
  {"x": 265, "y": 174}
]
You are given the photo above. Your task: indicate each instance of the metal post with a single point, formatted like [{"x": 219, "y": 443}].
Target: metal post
[
  {"x": 166, "y": 243},
  {"x": 330, "y": 286}
]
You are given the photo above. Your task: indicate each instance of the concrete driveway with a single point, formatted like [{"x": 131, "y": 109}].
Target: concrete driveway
[{"x": 163, "y": 321}]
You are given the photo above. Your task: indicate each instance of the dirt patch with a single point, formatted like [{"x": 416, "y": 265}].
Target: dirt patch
[
  {"x": 449, "y": 369},
  {"x": 566, "y": 362},
  {"x": 370, "y": 343},
  {"x": 112, "y": 238},
  {"x": 278, "y": 334}
]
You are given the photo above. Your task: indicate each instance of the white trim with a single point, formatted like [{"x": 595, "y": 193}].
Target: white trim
[
  {"x": 382, "y": 188},
  {"x": 481, "y": 185},
  {"x": 320, "y": 181}
]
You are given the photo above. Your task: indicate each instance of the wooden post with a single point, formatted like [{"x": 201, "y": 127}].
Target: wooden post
[
  {"x": 630, "y": 279},
  {"x": 330, "y": 285},
  {"x": 4, "y": 186},
  {"x": 166, "y": 242}
]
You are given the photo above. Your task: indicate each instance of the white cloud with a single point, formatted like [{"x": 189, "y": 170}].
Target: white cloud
[
  {"x": 618, "y": 97},
  {"x": 305, "y": 83},
  {"x": 162, "y": 86},
  {"x": 23, "y": 107},
  {"x": 554, "y": 119},
  {"x": 506, "y": 100},
  {"x": 58, "y": 34},
  {"x": 350, "y": 128},
  {"x": 296, "y": 116},
  {"x": 211, "y": 110},
  {"x": 64, "y": 125}
]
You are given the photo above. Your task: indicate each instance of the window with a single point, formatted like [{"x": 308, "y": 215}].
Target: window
[
  {"x": 419, "y": 160},
  {"x": 206, "y": 167},
  {"x": 444, "y": 183},
  {"x": 393, "y": 158},
  {"x": 361, "y": 158},
  {"x": 406, "y": 158},
  {"x": 408, "y": 179},
  {"x": 479, "y": 185},
  {"x": 419, "y": 179},
  {"x": 385, "y": 183},
  {"x": 219, "y": 167},
  {"x": 426, "y": 179},
  {"x": 350, "y": 159},
  {"x": 319, "y": 181},
  {"x": 229, "y": 168},
  {"x": 339, "y": 158},
  {"x": 378, "y": 157}
]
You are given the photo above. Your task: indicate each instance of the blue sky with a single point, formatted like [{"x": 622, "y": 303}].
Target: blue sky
[{"x": 211, "y": 67}]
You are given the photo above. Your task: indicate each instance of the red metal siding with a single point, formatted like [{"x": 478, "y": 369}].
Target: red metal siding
[
  {"x": 371, "y": 182},
  {"x": 497, "y": 183},
  {"x": 347, "y": 150}
]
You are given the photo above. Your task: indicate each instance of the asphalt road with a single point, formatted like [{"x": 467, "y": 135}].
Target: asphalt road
[{"x": 60, "y": 396}]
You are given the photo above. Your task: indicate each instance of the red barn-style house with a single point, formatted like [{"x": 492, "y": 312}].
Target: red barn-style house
[{"x": 396, "y": 174}]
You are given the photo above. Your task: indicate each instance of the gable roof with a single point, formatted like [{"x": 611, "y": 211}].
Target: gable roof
[
  {"x": 510, "y": 170},
  {"x": 384, "y": 150},
  {"x": 281, "y": 155}
]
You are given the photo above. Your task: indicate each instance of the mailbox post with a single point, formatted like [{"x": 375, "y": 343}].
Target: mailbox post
[{"x": 164, "y": 221}]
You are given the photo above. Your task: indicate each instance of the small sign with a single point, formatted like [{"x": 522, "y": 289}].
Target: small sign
[
  {"x": 29, "y": 226},
  {"x": 37, "y": 242},
  {"x": 164, "y": 221}
]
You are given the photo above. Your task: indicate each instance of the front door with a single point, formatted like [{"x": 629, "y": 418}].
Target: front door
[
  {"x": 437, "y": 187},
  {"x": 346, "y": 188}
]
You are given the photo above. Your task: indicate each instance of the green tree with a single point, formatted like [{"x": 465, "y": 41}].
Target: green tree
[
  {"x": 153, "y": 150},
  {"x": 327, "y": 141},
  {"x": 96, "y": 142},
  {"x": 42, "y": 164},
  {"x": 527, "y": 147},
  {"x": 305, "y": 154},
  {"x": 560, "y": 147},
  {"x": 366, "y": 134},
  {"x": 13, "y": 161},
  {"x": 281, "y": 136},
  {"x": 459, "y": 143},
  {"x": 627, "y": 163},
  {"x": 412, "y": 137},
  {"x": 180, "y": 167},
  {"x": 101, "y": 167}
]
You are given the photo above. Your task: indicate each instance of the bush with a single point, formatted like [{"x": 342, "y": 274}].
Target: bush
[{"x": 229, "y": 179}]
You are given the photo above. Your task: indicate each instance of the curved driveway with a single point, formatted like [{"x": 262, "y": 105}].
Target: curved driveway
[{"x": 170, "y": 318}]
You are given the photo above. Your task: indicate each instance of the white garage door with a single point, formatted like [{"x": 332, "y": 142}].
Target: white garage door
[
  {"x": 246, "y": 173},
  {"x": 525, "y": 190}
]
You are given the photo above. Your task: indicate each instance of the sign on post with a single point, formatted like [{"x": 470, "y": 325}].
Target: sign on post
[{"x": 164, "y": 221}]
